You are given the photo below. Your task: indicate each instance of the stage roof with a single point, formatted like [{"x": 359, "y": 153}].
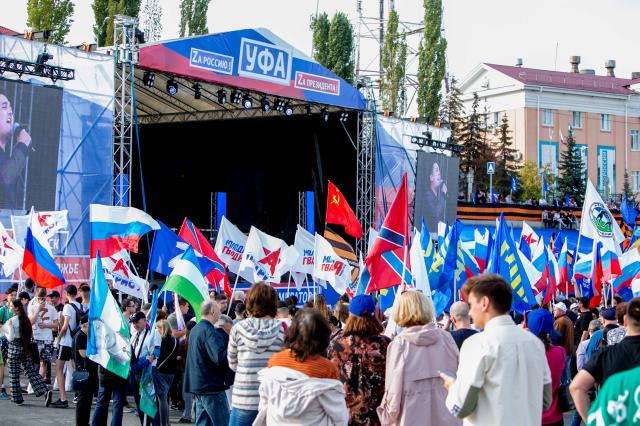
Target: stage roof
[{"x": 253, "y": 61}]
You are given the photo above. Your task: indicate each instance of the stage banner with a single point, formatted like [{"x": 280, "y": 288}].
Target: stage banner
[{"x": 254, "y": 59}]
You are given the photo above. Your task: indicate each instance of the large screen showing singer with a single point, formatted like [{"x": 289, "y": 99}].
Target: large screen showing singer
[
  {"x": 30, "y": 120},
  {"x": 436, "y": 189}
]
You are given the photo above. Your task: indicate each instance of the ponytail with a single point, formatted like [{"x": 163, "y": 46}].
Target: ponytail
[{"x": 26, "y": 332}]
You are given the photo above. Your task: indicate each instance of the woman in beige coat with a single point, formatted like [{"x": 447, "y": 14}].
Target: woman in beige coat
[{"x": 414, "y": 394}]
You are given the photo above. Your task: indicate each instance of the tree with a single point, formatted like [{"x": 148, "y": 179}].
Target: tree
[
  {"x": 571, "y": 170},
  {"x": 529, "y": 184},
  {"x": 54, "y": 15},
  {"x": 506, "y": 164},
  {"x": 452, "y": 110},
  {"x": 101, "y": 14},
  {"x": 104, "y": 12},
  {"x": 198, "y": 21},
  {"x": 340, "y": 57},
  {"x": 186, "y": 9},
  {"x": 394, "y": 57},
  {"x": 320, "y": 28},
  {"x": 626, "y": 188},
  {"x": 475, "y": 151},
  {"x": 150, "y": 18},
  {"x": 431, "y": 61}
]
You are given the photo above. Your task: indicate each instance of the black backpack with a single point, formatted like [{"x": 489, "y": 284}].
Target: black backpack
[{"x": 79, "y": 312}]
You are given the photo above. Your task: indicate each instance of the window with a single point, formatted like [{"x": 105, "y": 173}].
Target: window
[
  {"x": 576, "y": 119},
  {"x": 496, "y": 119},
  {"x": 635, "y": 140},
  {"x": 547, "y": 117},
  {"x": 635, "y": 181},
  {"x": 605, "y": 122}
]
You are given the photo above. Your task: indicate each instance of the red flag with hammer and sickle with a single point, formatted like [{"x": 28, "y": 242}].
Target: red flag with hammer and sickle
[{"x": 339, "y": 212}]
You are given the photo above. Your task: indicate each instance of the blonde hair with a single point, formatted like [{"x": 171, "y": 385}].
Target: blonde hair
[
  {"x": 414, "y": 308},
  {"x": 320, "y": 303},
  {"x": 165, "y": 328}
]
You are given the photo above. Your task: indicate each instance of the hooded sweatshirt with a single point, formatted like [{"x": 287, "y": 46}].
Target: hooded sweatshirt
[
  {"x": 289, "y": 397},
  {"x": 251, "y": 343},
  {"x": 413, "y": 389}
]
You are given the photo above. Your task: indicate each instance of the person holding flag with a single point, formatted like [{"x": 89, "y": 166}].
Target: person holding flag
[{"x": 145, "y": 350}]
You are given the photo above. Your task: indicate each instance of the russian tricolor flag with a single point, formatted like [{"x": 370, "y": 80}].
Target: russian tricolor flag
[
  {"x": 115, "y": 228},
  {"x": 38, "y": 260}
]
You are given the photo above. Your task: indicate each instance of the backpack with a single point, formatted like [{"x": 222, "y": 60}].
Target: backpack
[{"x": 79, "y": 312}]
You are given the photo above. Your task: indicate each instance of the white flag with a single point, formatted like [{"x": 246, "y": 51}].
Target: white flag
[
  {"x": 530, "y": 236},
  {"x": 230, "y": 246},
  {"x": 50, "y": 222},
  {"x": 418, "y": 267},
  {"x": 373, "y": 234},
  {"x": 266, "y": 258},
  {"x": 116, "y": 267},
  {"x": 10, "y": 253},
  {"x": 598, "y": 223},
  {"x": 329, "y": 267},
  {"x": 304, "y": 244}
]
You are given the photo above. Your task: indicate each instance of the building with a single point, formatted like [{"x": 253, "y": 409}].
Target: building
[{"x": 603, "y": 111}]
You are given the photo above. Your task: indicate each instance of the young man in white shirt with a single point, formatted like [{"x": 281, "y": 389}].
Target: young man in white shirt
[
  {"x": 145, "y": 349},
  {"x": 44, "y": 318},
  {"x": 503, "y": 377},
  {"x": 71, "y": 312}
]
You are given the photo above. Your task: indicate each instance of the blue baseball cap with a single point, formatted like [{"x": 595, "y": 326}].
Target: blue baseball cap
[
  {"x": 540, "y": 321},
  {"x": 609, "y": 314},
  {"x": 363, "y": 306}
]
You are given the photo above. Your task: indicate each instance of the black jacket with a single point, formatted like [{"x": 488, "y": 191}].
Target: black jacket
[{"x": 207, "y": 366}]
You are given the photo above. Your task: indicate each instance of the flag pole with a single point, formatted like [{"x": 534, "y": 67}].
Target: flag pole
[
  {"x": 233, "y": 291},
  {"x": 289, "y": 284}
]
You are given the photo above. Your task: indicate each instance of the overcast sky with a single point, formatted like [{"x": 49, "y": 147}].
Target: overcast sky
[{"x": 497, "y": 31}]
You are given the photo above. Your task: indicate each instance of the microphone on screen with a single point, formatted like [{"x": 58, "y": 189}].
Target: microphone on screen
[{"x": 17, "y": 127}]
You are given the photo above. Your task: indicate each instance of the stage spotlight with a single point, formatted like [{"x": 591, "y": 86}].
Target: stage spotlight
[
  {"x": 246, "y": 101},
  {"x": 278, "y": 104},
  {"x": 197, "y": 91},
  {"x": 344, "y": 116},
  {"x": 307, "y": 108},
  {"x": 148, "y": 78},
  {"x": 325, "y": 114},
  {"x": 172, "y": 86},
  {"x": 288, "y": 109},
  {"x": 236, "y": 97},
  {"x": 264, "y": 104},
  {"x": 222, "y": 97}
]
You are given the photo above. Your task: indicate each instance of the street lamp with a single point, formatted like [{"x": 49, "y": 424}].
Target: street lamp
[{"x": 469, "y": 184}]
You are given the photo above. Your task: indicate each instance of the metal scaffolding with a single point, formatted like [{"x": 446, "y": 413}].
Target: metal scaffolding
[
  {"x": 302, "y": 209},
  {"x": 365, "y": 163},
  {"x": 126, "y": 58}
]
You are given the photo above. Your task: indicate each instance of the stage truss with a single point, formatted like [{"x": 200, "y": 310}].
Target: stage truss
[{"x": 365, "y": 164}]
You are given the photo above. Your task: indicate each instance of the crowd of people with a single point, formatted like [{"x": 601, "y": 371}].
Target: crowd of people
[
  {"x": 255, "y": 360},
  {"x": 559, "y": 218}
]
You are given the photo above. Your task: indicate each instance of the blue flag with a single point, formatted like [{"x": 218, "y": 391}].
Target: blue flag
[
  {"x": 514, "y": 184},
  {"x": 629, "y": 214},
  {"x": 545, "y": 185},
  {"x": 567, "y": 200},
  {"x": 506, "y": 262}
]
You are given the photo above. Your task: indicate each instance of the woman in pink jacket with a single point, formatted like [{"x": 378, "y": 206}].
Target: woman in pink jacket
[{"x": 414, "y": 394}]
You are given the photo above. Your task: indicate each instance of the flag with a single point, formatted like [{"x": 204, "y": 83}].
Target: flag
[
  {"x": 419, "y": 269},
  {"x": 230, "y": 246},
  {"x": 562, "y": 137},
  {"x": 339, "y": 212},
  {"x": 528, "y": 240},
  {"x": 179, "y": 317},
  {"x": 545, "y": 185},
  {"x": 564, "y": 283},
  {"x": 330, "y": 267},
  {"x": 630, "y": 264},
  {"x": 344, "y": 250},
  {"x": 629, "y": 214},
  {"x": 115, "y": 228},
  {"x": 393, "y": 239},
  {"x": 108, "y": 342},
  {"x": 567, "y": 200},
  {"x": 553, "y": 272},
  {"x": 506, "y": 262},
  {"x": 217, "y": 276},
  {"x": 597, "y": 222},
  {"x": 124, "y": 280},
  {"x": 304, "y": 244},
  {"x": 481, "y": 248},
  {"x": 146, "y": 388},
  {"x": 11, "y": 253},
  {"x": 514, "y": 184},
  {"x": 51, "y": 223},
  {"x": 266, "y": 258},
  {"x": 37, "y": 260},
  {"x": 427, "y": 246},
  {"x": 187, "y": 280}
]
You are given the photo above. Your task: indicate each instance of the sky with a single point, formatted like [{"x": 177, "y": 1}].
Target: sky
[{"x": 495, "y": 31}]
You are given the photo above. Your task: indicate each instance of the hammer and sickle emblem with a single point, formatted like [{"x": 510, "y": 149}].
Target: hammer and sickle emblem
[{"x": 335, "y": 200}]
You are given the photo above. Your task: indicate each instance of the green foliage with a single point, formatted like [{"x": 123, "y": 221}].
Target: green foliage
[
  {"x": 529, "y": 184},
  {"x": 340, "y": 57},
  {"x": 506, "y": 163},
  {"x": 151, "y": 20},
  {"x": 193, "y": 17},
  {"x": 186, "y": 10},
  {"x": 100, "y": 13},
  {"x": 452, "y": 110},
  {"x": 476, "y": 152},
  {"x": 320, "y": 27},
  {"x": 572, "y": 171},
  {"x": 431, "y": 61},
  {"x": 54, "y": 15},
  {"x": 626, "y": 187},
  {"x": 104, "y": 12},
  {"x": 394, "y": 57}
]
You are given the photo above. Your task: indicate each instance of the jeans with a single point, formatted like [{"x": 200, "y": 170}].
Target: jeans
[
  {"x": 162, "y": 383},
  {"x": 212, "y": 409},
  {"x": 85, "y": 398},
  {"x": 242, "y": 417},
  {"x": 576, "y": 419},
  {"x": 188, "y": 405},
  {"x": 105, "y": 392}
]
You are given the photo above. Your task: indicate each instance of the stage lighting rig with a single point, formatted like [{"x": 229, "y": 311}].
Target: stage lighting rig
[
  {"x": 236, "y": 97},
  {"x": 222, "y": 97},
  {"x": 288, "y": 109},
  {"x": 264, "y": 104},
  {"x": 247, "y": 102},
  {"x": 428, "y": 140},
  {"x": 148, "y": 78},
  {"x": 325, "y": 114},
  {"x": 278, "y": 105},
  {"x": 197, "y": 91},
  {"x": 42, "y": 59},
  {"x": 172, "y": 86},
  {"x": 344, "y": 116},
  {"x": 308, "y": 109}
]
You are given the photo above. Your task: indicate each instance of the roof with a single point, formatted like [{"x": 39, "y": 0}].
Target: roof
[
  {"x": 567, "y": 80},
  {"x": 9, "y": 32}
]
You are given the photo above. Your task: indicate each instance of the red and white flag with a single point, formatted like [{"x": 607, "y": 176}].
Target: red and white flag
[
  {"x": 266, "y": 258},
  {"x": 330, "y": 267},
  {"x": 10, "y": 253}
]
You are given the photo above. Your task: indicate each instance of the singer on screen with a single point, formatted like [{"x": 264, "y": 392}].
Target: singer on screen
[
  {"x": 436, "y": 198},
  {"x": 13, "y": 157}
]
